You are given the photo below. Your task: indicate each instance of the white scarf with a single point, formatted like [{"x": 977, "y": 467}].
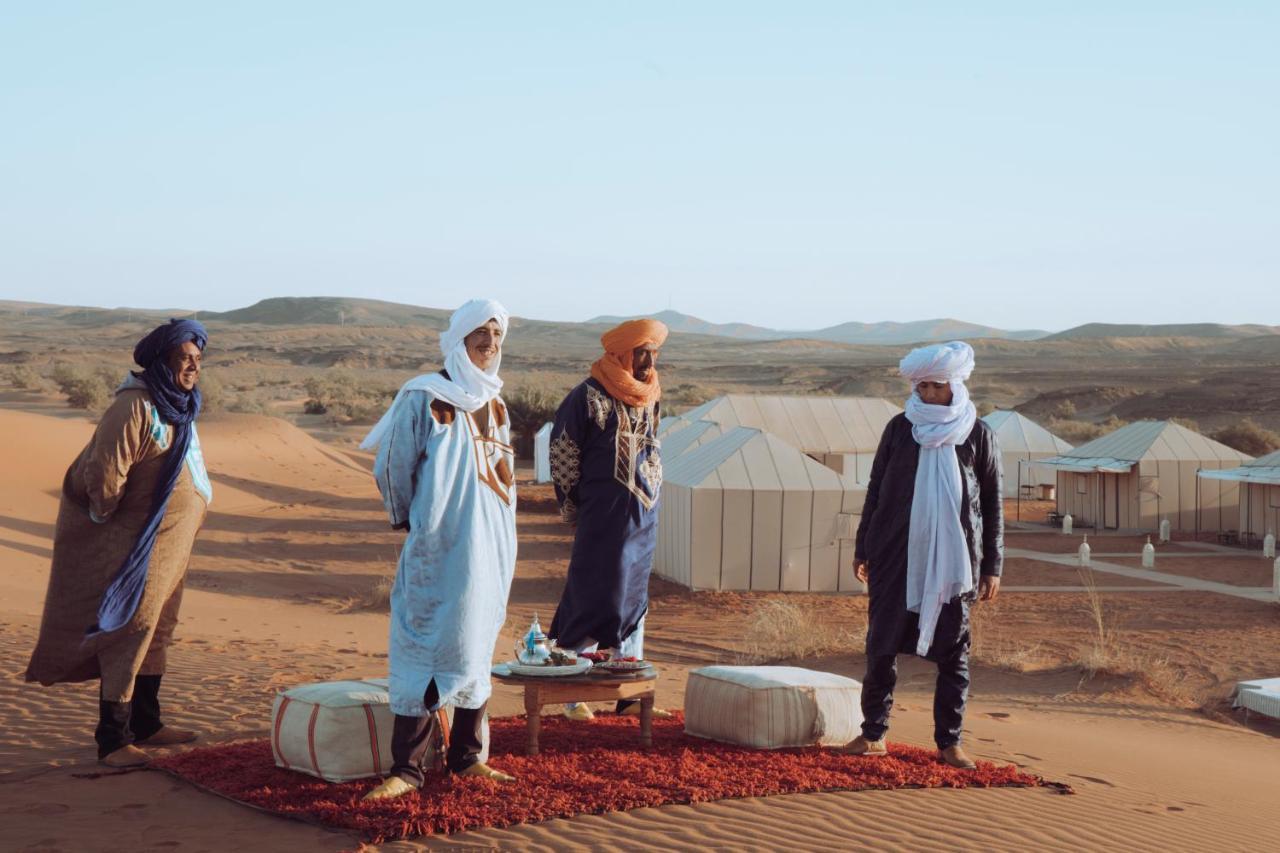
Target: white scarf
[
  {"x": 467, "y": 387},
  {"x": 938, "y": 564}
]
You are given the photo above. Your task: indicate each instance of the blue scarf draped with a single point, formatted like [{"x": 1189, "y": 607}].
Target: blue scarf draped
[{"x": 180, "y": 409}]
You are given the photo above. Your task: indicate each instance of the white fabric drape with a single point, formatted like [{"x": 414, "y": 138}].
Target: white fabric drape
[
  {"x": 468, "y": 387},
  {"x": 938, "y": 564}
]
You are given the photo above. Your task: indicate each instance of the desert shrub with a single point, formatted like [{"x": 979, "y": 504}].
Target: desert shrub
[
  {"x": 1078, "y": 432},
  {"x": 213, "y": 396},
  {"x": 529, "y": 408},
  {"x": 249, "y": 402},
  {"x": 1186, "y": 423},
  {"x": 84, "y": 388},
  {"x": 1066, "y": 410},
  {"x": 1248, "y": 437},
  {"x": 688, "y": 395},
  {"x": 985, "y": 408},
  {"x": 24, "y": 377},
  {"x": 344, "y": 398}
]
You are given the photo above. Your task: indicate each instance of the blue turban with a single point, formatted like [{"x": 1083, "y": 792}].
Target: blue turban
[
  {"x": 178, "y": 408},
  {"x": 164, "y": 338}
]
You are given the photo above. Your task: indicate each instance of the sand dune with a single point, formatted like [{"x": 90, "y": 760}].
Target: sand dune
[{"x": 296, "y": 534}]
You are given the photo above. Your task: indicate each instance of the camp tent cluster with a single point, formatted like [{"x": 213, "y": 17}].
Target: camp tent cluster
[
  {"x": 1146, "y": 472},
  {"x": 1259, "y": 484},
  {"x": 766, "y": 492},
  {"x": 1023, "y": 442},
  {"x": 840, "y": 432}
]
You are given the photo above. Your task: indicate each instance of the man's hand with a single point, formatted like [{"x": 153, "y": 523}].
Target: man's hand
[
  {"x": 860, "y": 570},
  {"x": 988, "y": 588}
]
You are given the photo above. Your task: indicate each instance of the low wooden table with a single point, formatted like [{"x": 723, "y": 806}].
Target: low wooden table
[{"x": 591, "y": 686}]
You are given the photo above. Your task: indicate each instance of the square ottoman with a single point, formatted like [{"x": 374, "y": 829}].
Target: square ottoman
[
  {"x": 768, "y": 707},
  {"x": 338, "y": 730}
]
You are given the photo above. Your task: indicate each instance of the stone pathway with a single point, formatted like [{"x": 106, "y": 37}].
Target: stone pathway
[{"x": 1192, "y": 584}]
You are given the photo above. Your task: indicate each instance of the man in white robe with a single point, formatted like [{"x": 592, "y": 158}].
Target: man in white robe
[{"x": 445, "y": 469}]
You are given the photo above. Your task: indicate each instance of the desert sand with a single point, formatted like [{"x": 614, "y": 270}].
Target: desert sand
[{"x": 288, "y": 585}]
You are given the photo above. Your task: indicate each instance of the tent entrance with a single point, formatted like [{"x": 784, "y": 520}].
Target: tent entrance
[{"x": 1111, "y": 501}]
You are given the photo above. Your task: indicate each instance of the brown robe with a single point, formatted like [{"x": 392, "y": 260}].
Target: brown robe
[{"x": 115, "y": 476}]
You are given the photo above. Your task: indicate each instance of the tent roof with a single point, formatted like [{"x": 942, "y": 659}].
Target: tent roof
[
  {"x": 1020, "y": 434},
  {"x": 1271, "y": 460},
  {"x": 694, "y": 434},
  {"x": 1141, "y": 441},
  {"x": 1264, "y": 470},
  {"x": 751, "y": 459},
  {"x": 813, "y": 424}
]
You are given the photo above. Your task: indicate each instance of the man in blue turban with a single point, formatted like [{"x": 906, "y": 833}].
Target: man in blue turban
[{"x": 132, "y": 503}]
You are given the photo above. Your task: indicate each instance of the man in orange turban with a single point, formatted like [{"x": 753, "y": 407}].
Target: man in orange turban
[{"x": 607, "y": 474}]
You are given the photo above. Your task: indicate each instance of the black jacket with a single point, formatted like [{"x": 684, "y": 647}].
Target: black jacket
[{"x": 886, "y": 514}]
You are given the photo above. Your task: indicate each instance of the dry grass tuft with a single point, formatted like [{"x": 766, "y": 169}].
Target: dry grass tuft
[
  {"x": 783, "y": 630},
  {"x": 989, "y": 644},
  {"x": 1107, "y": 654},
  {"x": 377, "y": 598}
]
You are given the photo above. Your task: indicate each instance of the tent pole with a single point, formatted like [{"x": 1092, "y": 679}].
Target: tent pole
[
  {"x": 1197, "y": 504},
  {"x": 1018, "y": 494}
]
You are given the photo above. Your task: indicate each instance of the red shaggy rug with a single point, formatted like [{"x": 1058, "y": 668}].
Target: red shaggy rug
[{"x": 584, "y": 768}]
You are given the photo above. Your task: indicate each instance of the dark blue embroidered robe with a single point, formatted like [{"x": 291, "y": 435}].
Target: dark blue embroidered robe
[{"x": 607, "y": 473}]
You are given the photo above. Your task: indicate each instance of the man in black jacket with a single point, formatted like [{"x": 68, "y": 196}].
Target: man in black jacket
[{"x": 930, "y": 542}]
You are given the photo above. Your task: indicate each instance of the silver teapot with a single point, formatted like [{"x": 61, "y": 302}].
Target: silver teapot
[{"x": 535, "y": 648}]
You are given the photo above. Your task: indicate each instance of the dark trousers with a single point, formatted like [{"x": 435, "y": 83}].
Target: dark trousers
[
  {"x": 122, "y": 723},
  {"x": 411, "y": 738},
  {"x": 949, "y": 695}
]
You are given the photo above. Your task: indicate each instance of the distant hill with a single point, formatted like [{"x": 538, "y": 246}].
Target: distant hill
[
  {"x": 920, "y": 331},
  {"x": 83, "y": 316},
  {"x": 330, "y": 311},
  {"x": 687, "y": 324},
  {"x": 886, "y": 333},
  {"x": 1094, "y": 331}
]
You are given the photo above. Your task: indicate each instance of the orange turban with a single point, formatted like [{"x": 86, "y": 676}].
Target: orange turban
[{"x": 613, "y": 369}]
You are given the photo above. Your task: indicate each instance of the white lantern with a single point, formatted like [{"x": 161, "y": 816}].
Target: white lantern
[
  {"x": 1148, "y": 555},
  {"x": 1066, "y": 523},
  {"x": 1164, "y": 530},
  {"x": 1084, "y": 552}
]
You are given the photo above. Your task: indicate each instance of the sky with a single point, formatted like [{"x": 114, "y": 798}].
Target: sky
[{"x": 793, "y": 165}]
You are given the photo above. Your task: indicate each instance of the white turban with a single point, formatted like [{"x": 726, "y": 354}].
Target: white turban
[
  {"x": 468, "y": 387},
  {"x": 938, "y": 563},
  {"x": 951, "y": 362}
]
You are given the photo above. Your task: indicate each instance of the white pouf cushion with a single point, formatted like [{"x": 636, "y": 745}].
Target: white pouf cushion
[
  {"x": 337, "y": 730},
  {"x": 768, "y": 707}
]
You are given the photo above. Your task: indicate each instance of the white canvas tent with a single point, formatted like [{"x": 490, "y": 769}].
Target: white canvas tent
[
  {"x": 542, "y": 454},
  {"x": 689, "y": 435},
  {"x": 1022, "y": 443},
  {"x": 840, "y": 432},
  {"x": 1259, "y": 482},
  {"x": 1144, "y": 472},
  {"x": 747, "y": 510}
]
